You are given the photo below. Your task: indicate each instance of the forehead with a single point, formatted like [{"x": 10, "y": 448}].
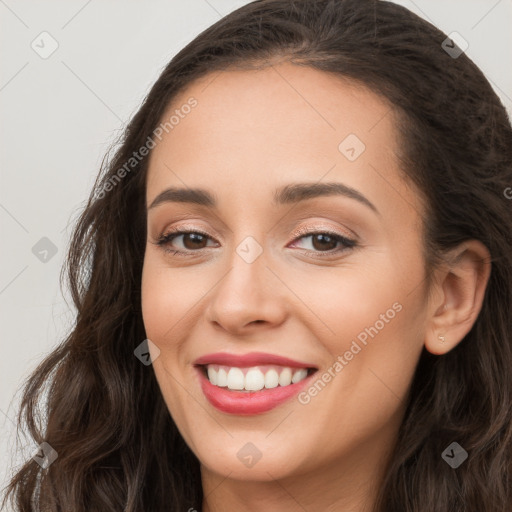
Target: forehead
[
  {"x": 280, "y": 103},
  {"x": 254, "y": 130}
]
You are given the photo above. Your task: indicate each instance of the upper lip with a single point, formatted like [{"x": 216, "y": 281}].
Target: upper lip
[{"x": 250, "y": 359}]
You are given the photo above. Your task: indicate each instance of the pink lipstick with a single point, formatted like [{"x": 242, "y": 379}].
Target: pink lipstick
[{"x": 242, "y": 397}]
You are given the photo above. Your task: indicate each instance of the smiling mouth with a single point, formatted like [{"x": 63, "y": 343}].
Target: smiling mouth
[{"x": 254, "y": 378}]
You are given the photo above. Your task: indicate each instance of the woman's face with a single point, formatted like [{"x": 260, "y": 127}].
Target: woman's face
[{"x": 269, "y": 277}]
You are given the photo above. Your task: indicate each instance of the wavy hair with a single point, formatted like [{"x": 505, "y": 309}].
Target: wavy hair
[{"x": 118, "y": 447}]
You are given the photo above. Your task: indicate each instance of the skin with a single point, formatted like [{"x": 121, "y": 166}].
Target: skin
[{"x": 251, "y": 132}]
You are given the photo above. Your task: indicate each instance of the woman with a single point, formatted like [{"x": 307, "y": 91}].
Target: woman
[{"x": 293, "y": 282}]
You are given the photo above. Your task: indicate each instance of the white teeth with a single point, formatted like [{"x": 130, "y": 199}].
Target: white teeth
[
  {"x": 285, "y": 379},
  {"x": 235, "y": 379},
  {"x": 222, "y": 377},
  {"x": 254, "y": 379},
  {"x": 212, "y": 375},
  {"x": 271, "y": 379},
  {"x": 299, "y": 375}
]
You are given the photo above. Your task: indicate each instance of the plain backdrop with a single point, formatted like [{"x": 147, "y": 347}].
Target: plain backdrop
[{"x": 61, "y": 111}]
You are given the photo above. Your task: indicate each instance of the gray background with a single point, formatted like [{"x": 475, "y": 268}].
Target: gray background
[{"x": 61, "y": 113}]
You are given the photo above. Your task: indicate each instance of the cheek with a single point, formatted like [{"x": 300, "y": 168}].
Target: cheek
[
  {"x": 343, "y": 301},
  {"x": 374, "y": 319},
  {"x": 166, "y": 300},
  {"x": 155, "y": 301},
  {"x": 168, "y": 296}
]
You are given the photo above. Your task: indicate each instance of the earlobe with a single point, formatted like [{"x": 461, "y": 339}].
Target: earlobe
[{"x": 461, "y": 286}]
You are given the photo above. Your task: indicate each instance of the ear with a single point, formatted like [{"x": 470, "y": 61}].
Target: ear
[{"x": 457, "y": 295}]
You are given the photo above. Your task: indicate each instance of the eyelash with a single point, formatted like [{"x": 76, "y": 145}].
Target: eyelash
[{"x": 165, "y": 239}]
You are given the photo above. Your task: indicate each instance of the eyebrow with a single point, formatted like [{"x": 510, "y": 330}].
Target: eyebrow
[{"x": 288, "y": 194}]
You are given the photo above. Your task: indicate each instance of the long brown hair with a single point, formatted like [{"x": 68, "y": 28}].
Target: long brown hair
[{"x": 118, "y": 447}]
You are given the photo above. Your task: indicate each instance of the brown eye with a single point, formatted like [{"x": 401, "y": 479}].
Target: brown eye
[
  {"x": 194, "y": 241},
  {"x": 323, "y": 242},
  {"x": 184, "y": 241}
]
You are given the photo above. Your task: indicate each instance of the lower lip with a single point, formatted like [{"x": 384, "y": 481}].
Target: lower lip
[{"x": 248, "y": 403}]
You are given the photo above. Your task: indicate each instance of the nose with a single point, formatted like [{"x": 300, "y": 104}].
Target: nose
[{"x": 249, "y": 296}]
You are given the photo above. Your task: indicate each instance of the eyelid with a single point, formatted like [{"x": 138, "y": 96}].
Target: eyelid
[
  {"x": 186, "y": 227},
  {"x": 349, "y": 243},
  {"x": 323, "y": 228},
  {"x": 297, "y": 233}
]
